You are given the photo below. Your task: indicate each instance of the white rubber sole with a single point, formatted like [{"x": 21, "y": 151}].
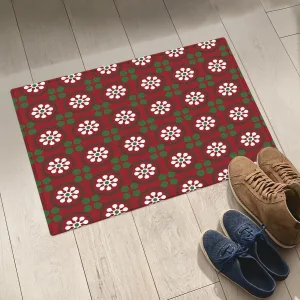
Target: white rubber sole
[
  {"x": 255, "y": 218},
  {"x": 210, "y": 262}
]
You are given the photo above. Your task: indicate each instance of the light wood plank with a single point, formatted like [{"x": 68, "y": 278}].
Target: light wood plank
[
  {"x": 170, "y": 236},
  {"x": 99, "y": 32},
  {"x": 102, "y": 40},
  {"x": 9, "y": 284},
  {"x": 197, "y": 21},
  {"x": 286, "y": 21},
  {"x": 48, "y": 38},
  {"x": 178, "y": 239},
  {"x": 234, "y": 292},
  {"x": 211, "y": 292},
  {"x": 209, "y": 204},
  {"x": 270, "y": 5},
  {"x": 292, "y": 281},
  {"x": 148, "y": 26},
  {"x": 268, "y": 65},
  {"x": 43, "y": 262},
  {"x": 114, "y": 260},
  {"x": 292, "y": 46}
]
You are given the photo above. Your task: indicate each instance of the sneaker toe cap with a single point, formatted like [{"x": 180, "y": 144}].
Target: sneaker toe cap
[
  {"x": 269, "y": 155},
  {"x": 240, "y": 166}
]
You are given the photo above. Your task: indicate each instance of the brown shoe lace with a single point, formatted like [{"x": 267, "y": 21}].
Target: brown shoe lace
[
  {"x": 286, "y": 172},
  {"x": 263, "y": 185}
]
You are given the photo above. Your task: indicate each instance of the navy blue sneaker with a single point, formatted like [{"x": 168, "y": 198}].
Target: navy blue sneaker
[
  {"x": 242, "y": 230},
  {"x": 233, "y": 261}
]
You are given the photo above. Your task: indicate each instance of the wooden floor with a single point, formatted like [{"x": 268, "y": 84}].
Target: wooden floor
[{"x": 151, "y": 253}]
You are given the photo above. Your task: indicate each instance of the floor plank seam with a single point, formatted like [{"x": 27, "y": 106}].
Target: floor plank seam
[
  {"x": 11, "y": 248},
  {"x": 258, "y": 98},
  {"x": 288, "y": 290},
  {"x": 194, "y": 213},
  {"x": 82, "y": 266},
  {"x": 145, "y": 255},
  {"x": 222, "y": 286},
  {"x": 297, "y": 253},
  {"x": 124, "y": 28},
  {"x": 172, "y": 23},
  {"x": 13, "y": 9},
  {"x": 285, "y": 36},
  {"x": 282, "y": 8},
  {"x": 63, "y": 3},
  {"x": 283, "y": 45},
  {"x": 193, "y": 290}
]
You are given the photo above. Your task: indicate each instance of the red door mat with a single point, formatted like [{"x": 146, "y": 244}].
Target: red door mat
[{"x": 123, "y": 136}]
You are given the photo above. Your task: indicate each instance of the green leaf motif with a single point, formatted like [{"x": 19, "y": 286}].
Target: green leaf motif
[
  {"x": 95, "y": 198},
  {"x": 24, "y": 104}
]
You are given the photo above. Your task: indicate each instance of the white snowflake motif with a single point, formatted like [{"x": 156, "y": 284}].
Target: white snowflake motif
[
  {"x": 181, "y": 160},
  {"x": 160, "y": 107},
  {"x": 42, "y": 111},
  {"x": 88, "y": 127},
  {"x": 142, "y": 61},
  {"x": 217, "y": 65},
  {"x": 107, "y": 182},
  {"x": 191, "y": 185},
  {"x": 76, "y": 222},
  {"x": 58, "y": 165},
  {"x": 107, "y": 69},
  {"x": 116, "y": 210},
  {"x": 50, "y": 138},
  {"x": 238, "y": 113},
  {"x": 208, "y": 44},
  {"x": 116, "y": 92},
  {"x": 184, "y": 74},
  {"x": 151, "y": 82},
  {"x": 79, "y": 101},
  {"x": 134, "y": 143},
  {"x": 205, "y": 123},
  {"x": 170, "y": 133},
  {"x": 97, "y": 154},
  {"x": 125, "y": 117},
  {"x": 67, "y": 194},
  {"x": 175, "y": 52},
  {"x": 227, "y": 89},
  {"x": 72, "y": 78},
  {"x": 216, "y": 149},
  {"x": 223, "y": 175},
  {"x": 194, "y": 98},
  {"x": 154, "y": 197},
  {"x": 250, "y": 139},
  {"x": 144, "y": 171},
  {"x": 35, "y": 87}
]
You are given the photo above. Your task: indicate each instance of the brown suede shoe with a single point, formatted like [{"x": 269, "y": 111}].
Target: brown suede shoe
[
  {"x": 269, "y": 203},
  {"x": 277, "y": 166}
]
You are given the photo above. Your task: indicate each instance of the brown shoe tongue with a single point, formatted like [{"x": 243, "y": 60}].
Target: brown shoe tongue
[
  {"x": 293, "y": 201},
  {"x": 295, "y": 186}
]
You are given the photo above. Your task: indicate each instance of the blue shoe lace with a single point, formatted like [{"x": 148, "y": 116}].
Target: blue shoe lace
[
  {"x": 239, "y": 252},
  {"x": 250, "y": 238}
]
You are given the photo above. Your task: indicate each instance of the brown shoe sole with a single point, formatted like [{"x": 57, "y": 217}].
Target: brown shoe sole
[{"x": 255, "y": 218}]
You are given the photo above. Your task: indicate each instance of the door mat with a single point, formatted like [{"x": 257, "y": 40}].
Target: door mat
[{"x": 127, "y": 135}]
